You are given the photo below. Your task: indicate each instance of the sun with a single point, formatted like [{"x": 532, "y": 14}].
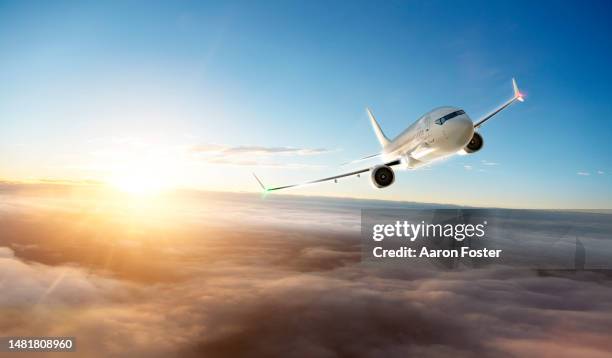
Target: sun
[
  {"x": 137, "y": 184},
  {"x": 143, "y": 167},
  {"x": 140, "y": 180}
]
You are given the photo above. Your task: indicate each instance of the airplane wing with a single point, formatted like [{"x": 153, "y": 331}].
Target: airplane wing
[
  {"x": 335, "y": 177},
  {"x": 518, "y": 96}
]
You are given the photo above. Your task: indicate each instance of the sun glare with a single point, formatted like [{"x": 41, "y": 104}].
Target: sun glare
[
  {"x": 142, "y": 178},
  {"x": 143, "y": 168},
  {"x": 138, "y": 183}
]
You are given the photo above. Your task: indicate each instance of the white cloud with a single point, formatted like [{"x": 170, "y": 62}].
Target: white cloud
[
  {"x": 25, "y": 283},
  {"x": 584, "y": 174},
  {"x": 254, "y": 150},
  {"x": 251, "y": 155},
  {"x": 600, "y": 172},
  {"x": 6, "y": 253},
  {"x": 486, "y": 162},
  {"x": 468, "y": 167}
]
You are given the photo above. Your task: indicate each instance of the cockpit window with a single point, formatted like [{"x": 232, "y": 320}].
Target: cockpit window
[{"x": 441, "y": 120}]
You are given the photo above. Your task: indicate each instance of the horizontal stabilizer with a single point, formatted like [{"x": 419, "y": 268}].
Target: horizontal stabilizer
[{"x": 361, "y": 159}]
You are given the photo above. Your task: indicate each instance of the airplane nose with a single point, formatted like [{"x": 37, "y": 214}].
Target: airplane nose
[
  {"x": 460, "y": 130},
  {"x": 466, "y": 124}
]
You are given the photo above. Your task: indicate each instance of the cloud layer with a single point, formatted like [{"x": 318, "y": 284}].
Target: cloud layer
[{"x": 251, "y": 283}]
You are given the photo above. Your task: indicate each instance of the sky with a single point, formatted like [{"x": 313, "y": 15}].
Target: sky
[{"x": 200, "y": 94}]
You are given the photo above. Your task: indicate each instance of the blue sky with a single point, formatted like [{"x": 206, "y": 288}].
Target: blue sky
[{"x": 205, "y": 93}]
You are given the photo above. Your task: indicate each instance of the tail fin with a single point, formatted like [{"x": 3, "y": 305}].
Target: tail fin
[
  {"x": 517, "y": 94},
  {"x": 382, "y": 139}
]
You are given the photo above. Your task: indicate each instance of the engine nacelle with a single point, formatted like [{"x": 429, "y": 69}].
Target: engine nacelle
[
  {"x": 382, "y": 176},
  {"x": 475, "y": 144}
]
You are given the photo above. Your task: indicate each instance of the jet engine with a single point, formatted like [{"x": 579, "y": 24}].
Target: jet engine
[
  {"x": 475, "y": 144},
  {"x": 382, "y": 176}
]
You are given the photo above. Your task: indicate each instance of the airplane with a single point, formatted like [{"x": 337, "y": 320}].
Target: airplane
[{"x": 439, "y": 133}]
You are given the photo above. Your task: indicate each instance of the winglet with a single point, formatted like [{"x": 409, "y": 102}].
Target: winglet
[
  {"x": 382, "y": 139},
  {"x": 263, "y": 187},
  {"x": 517, "y": 94}
]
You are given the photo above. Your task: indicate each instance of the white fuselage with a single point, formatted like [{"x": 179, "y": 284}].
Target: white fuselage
[{"x": 439, "y": 133}]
